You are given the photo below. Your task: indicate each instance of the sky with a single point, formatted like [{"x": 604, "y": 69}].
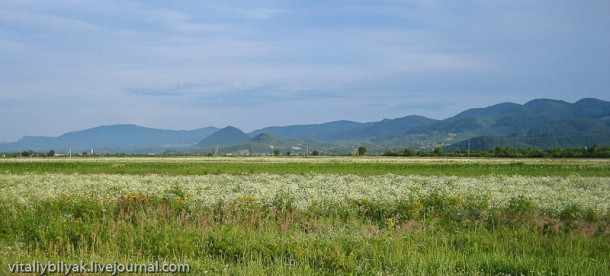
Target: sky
[{"x": 71, "y": 65}]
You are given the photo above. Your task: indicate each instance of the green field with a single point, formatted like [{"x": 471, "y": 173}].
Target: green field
[
  {"x": 330, "y": 215},
  {"x": 332, "y": 165}
]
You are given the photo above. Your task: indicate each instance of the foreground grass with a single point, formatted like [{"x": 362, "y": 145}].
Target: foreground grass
[
  {"x": 268, "y": 216},
  {"x": 245, "y": 237},
  {"x": 334, "y": 165}
]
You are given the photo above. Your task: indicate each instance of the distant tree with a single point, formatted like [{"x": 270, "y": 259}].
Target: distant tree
[
  {"x": 288, "y": 153},
  {"x": 438, "y": 151},
  {"x": 499, "y": 151},
  {"x": 408, "y": 152},
  {"x": 51, "y": 153},
  {"x": 25, "y": 153},
  {"x": 361, "y": 150},
  {"x": 315, "y": 153},
  {"x": 276, "y": 152},
  {"x": 595, "y": 148}
]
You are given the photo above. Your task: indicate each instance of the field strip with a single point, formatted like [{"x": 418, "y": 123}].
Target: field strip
[
  {"x": 330, "y": 165},
  {"x": 550, "y": 193},
  {"x": 312, "y": 159}
]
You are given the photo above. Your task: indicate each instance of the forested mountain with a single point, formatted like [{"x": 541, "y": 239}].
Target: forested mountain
[{"x": 540, "y": 123}]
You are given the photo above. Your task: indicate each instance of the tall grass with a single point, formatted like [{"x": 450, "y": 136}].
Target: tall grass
[{"x": 436, "y": 235}]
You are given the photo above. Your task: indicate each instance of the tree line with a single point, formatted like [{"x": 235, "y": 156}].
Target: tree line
[{"x": 595, "y": 151}]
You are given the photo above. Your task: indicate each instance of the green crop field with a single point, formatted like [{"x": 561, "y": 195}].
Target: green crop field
[
  {"x": 327, "y": 165},
  {"x": 328, "y": 215}
]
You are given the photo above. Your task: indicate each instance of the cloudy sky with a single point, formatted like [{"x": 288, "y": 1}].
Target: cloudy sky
[{"x": 71, "y": 65}]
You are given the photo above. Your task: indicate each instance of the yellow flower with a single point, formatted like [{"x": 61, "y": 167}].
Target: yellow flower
[
  {"x": 416, "y": 206},
  {"x": 391, "y": 224}
]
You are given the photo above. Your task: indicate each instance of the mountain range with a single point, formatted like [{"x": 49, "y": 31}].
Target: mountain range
[{"x": 540, "y": 123}]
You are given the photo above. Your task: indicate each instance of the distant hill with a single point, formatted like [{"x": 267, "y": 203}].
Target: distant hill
[
  {"x": 112, "y": 138},
  {"x": 378, "y": 131},
  {"x": 319, "y": 131},
  {"x": 265, "y": 138},
  {"x": 347, "y": 130},
  {"x": 265, "y": 143},
  {"x": 514, "y": 119},
  {"x": 566, "y": 140},
  {"x": 540, "y": 123},
  {"x": 224, "y": 137}
]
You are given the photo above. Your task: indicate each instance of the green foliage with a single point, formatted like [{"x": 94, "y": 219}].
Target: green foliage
[
  {"x": 547, "y": 147},
  {"x": 572, "y": 212},
  {"x": 276, "y": 152},
  {"x": 362, "y": 150},
  {"x": 315, "y": 153},
  {"x": 521, "y": 203},
  {"x": 408, "y": 152},
  {"x": 439, "y": 235}
]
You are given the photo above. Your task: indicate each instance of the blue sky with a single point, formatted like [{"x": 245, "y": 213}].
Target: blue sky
[{"x": 71, "y": 65}]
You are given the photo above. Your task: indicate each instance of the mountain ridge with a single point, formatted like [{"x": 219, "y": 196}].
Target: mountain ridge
[
  {"x": 112, "y": 138},
  {"x": 539, "y": 123}
]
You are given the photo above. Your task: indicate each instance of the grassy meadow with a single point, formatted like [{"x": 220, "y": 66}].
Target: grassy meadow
[{"x": 301, "y": 216}]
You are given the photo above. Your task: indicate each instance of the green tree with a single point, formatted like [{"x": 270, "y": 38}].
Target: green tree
[
  {"x": 408, "y": 152},
  {"x": 499, "y": 151},
  {"x": 361, "y": 150},
  {"x": 276, "y": 152},
  {"x": 595, "y": 148},
  {"x": 51, "y": 153},
  {"x": 315, "y": 153},
  {"x": 288, "y": 153},
  {"x": 25, "y": 153},
  {"x": 438, "y": 151}
]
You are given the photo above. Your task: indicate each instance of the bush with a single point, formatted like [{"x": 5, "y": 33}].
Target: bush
[{"x": 521, "y": 203}]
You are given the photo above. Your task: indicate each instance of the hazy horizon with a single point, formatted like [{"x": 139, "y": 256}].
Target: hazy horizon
[{"x": 245, "y": 130}]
